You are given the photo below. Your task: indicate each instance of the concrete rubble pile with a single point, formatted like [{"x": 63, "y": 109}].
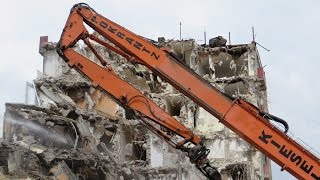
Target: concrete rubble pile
[
  {"x": 52, "y": 140},
  {"x": 75, "y": 131}
]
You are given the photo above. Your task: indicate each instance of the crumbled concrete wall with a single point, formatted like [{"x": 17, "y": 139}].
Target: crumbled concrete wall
[
  {"x": 86, "y": 119},
  {"x": 53, "y": 65},
  {"x": 234, "y": 70}
]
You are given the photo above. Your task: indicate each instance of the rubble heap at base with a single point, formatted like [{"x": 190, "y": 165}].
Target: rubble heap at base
[{"x": 76, "y": 131}]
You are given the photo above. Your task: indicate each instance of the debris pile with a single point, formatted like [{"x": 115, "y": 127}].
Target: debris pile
[
  {"x": 54, "y": 140},
  {"x": 75, "y": 131}
]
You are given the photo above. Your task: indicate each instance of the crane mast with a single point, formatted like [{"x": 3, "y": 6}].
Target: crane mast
[{"x": 243, "y": 118}]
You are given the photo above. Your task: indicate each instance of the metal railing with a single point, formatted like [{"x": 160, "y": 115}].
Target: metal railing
[{"x": 298, "y": 140}]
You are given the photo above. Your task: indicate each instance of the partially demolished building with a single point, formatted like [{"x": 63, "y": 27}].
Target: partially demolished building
[{"x": 74, "y": 131}]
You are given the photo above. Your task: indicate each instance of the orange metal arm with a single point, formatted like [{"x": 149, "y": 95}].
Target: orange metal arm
[{"x": 238, "y": 115}]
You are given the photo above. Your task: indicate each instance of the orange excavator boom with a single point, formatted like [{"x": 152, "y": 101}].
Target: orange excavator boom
[{"x": 240, "y": 116}]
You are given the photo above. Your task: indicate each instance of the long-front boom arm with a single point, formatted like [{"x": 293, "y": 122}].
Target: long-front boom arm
[{"x": 240, "y": 116}]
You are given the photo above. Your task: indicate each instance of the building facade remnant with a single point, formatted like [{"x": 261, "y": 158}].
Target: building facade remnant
[{"x": 75, "y": 131}]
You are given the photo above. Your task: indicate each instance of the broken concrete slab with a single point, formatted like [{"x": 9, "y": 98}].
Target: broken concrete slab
[{"x": 62, "y": 172}]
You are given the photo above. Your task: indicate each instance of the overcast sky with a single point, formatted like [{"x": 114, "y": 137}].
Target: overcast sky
[{"x": 290, "y": 29}]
